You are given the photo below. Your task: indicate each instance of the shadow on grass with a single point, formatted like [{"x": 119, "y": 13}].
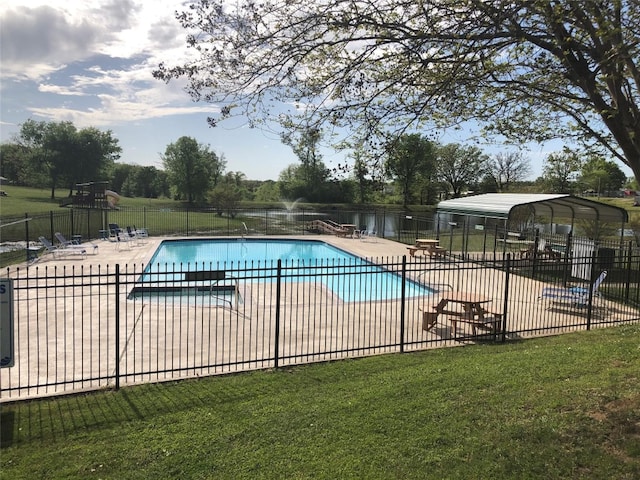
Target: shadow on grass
[{"x": 58, "y": 417}]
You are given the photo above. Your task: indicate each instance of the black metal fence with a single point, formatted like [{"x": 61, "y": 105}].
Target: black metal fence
[
  {"x": 493, "y": 239},
  {"x": 93, "y": 327}
]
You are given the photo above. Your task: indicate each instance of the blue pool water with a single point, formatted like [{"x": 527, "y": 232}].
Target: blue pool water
[{"x": 350, "y": 277}]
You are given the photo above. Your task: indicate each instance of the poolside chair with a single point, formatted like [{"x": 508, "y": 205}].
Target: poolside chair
[
  {"x": 118, "y": 235},
  {"x": 137, "y": 235},
  {"x": 575, "y": 296},
  {"x": 74, "y": 244},
  {"x": 142, "y": 232},
  {"x": 369, "y": 234},
  {"x": 61, "y": 251}
]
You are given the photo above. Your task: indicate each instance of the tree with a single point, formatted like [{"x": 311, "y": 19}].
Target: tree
[
  {"x": 191, "y": 168},
  {"x": 119, "y": 175},
  {"x": 410, "y": 159},
  {"x": 307, "y": 179},
  {"x": 14, "y": 164},
  {"x": 601, "y": 175},
  {"x": 268, "y": 191},
  {"x": 526, "y": 69},
  {"x": 69, "y": 156},
  {"x": 139, "y": 181},
  {"x": 225, "y": 196},
  {"x": 94, "y": 156},
  {"x": 560, "y": 172},
  {"x": 459, "y": 166},
  {"x": 506, "y": 168}
]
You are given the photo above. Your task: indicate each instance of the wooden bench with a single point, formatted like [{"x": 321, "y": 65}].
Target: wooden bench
[
  {"x": 435, "y": 251},
  {"x": 414, "y": 249},
  {"x": 438, "y": 251},
  {"x": 491, "y": 322},
  {"x": 429, "y": 320}
]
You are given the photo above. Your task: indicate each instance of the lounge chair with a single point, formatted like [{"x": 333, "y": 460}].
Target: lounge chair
[
  {"x": 61, "y": 251},
  {"x": 74, "y": 244},
  {"x": 575, "y": 296}
]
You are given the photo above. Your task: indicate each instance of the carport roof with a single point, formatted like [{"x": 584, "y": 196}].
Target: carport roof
[{"x": 500, "y": 205}]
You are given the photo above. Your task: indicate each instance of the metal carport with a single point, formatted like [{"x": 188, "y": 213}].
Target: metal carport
[
  {"x": 554, "y": 206},
  {"x": 501, "y": 206}
]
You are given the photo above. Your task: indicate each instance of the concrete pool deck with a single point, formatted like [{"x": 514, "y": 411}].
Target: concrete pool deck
[
  {"x": 136, "y": 252},
  {"x": 523, "y": 304}
]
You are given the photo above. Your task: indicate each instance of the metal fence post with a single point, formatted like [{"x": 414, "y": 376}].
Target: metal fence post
[
  {"x": 627, "y": 288},
  {"x": 51, "y": 227},
  {"x": 403, "y": 297},
  {"x": 89, "y": 223},
  {"x": 117, "y": 326},
  {"x": 277, "y": 332},
  {"x": 26, "y": 230},
  {"x": 505, "y": 304},
  {"x": 384, "y": 222},
  {"x": 592, "y": 279}
]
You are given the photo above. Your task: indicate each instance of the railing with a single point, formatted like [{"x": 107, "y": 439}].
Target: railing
[{"x": 93, "y": 327}]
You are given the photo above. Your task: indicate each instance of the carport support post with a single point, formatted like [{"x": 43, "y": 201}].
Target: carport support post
[
  {"x": 465, "y": 237},
  {"x": 536, "y": 242},
  {"x": 628, "y": 282},
  {"x": 567, "y": 260}
]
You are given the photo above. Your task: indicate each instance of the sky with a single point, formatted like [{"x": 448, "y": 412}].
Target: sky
[{"x": 91, "y": 62}]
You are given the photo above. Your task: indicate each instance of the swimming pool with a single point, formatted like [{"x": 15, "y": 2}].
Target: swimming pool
[{"x": 349, "y": 277}]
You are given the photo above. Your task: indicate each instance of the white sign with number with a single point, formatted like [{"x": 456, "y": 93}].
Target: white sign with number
[{"x": 6, "y": 322}]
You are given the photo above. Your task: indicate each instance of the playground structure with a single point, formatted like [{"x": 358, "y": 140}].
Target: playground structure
[{"x": 92, "y": 195}]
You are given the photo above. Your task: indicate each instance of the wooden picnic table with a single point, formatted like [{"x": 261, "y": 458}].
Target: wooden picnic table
[
  {"x": 473, "y": 311},
  {"x": 427, "y": 245},
  {"x": 427, "y": 242}
]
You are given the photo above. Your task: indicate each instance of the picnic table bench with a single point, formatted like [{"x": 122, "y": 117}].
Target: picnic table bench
[
  {"x": 473, "y": 313},
  {"x": 429, "y": 246}
]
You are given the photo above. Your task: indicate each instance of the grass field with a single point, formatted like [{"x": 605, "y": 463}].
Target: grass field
[
  {"x": 21, "y": 200},
  {"x": 565, "y": 407}
]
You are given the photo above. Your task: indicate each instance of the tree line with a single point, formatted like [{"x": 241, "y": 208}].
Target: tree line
[{"x": 410, "y": 169}]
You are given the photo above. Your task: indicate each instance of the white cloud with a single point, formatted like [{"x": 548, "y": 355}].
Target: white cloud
[
  {"x": 58, "y": 90},
  {"x": 39, "y": 37},
  {"x": 94, "y": 60}
]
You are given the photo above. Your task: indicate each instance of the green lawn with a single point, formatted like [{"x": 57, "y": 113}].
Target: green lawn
[
  {"x": 21, "y": 200},
  {"x": 554, "y": 408}
]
